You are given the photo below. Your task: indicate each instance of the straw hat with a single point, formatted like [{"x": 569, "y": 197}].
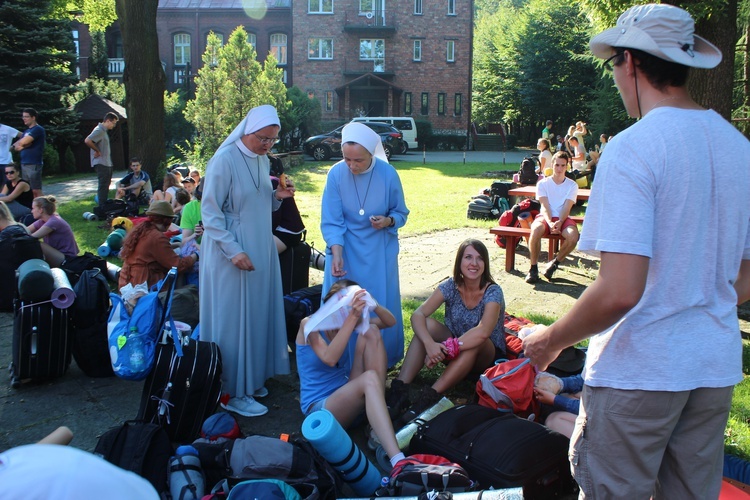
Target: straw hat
[
  {"x": 160, "y": 207},
  {"x": 662, "y": 30}
]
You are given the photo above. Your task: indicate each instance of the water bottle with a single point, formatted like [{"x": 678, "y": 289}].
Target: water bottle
[
  {"x": 383, "y": 490},
  {"x": 135, "y": 347},
  {"x": 186, "y": 481},
  {"x": 90, "y": 216},
  {"x": 404, "y": 435}
]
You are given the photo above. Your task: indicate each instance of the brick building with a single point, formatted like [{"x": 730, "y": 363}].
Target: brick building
[{"x": 358, "y": 57}]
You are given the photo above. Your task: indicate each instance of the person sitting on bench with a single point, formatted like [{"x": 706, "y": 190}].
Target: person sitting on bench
[{"x": 557, "y": 194}]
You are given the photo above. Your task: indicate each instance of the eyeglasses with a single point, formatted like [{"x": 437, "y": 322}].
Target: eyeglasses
[
  {"x": 8, "y": 172},
  {"x": 267, "y": 140},
  {"x": 610, "y": 62}
]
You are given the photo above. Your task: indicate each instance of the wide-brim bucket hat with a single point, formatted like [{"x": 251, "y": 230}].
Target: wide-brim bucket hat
[
  {"x": 160, "y": 207},
  {"x": 662, "y": 30}
]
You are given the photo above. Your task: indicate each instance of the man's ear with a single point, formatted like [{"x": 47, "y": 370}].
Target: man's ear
[{"x": 629, "y": 63}]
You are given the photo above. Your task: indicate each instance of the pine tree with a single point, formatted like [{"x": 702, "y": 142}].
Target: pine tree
[{"x": 36, "y": 57}]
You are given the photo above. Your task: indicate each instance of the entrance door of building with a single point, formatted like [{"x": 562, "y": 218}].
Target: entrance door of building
[{"x": 374, "y": 108}]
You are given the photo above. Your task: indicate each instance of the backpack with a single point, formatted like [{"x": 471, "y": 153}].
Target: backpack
[
  {"x": 90, "y": 314},
  {"x": 294, "y": 462},
  {"x": 111, "y": 209},
  {"x": 508, "y": 386},
  {"x": 143, "y": 326},
  {"x": 418, "y": 474},
  {"x": 267, "y": 489},
  {"x": 512, "y": 325},
  {"x": 299, "y": 305},
  {"x": 75, "y": 266},
  {"x": 527, "y": 173},
  {"x": 139, "y": 447}
]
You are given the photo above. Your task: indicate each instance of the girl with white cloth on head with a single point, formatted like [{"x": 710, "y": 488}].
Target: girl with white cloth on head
[
  {"x": 363, "y": 206},
  {"x": 241, "y": 306}
]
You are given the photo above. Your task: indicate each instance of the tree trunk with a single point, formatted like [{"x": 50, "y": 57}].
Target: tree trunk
[
  {"x": 144, "y": 81},
  {"x": 713, "y": 88}
]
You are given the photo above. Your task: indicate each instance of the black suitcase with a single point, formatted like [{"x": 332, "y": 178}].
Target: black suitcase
[
  {"x": 499, "y": 450},
  {"x": 181, "y": 392},
  {"x": 295, "y": 267},
  {"x": 41, "y": 342},
  {"x": 14, "y": 251}
]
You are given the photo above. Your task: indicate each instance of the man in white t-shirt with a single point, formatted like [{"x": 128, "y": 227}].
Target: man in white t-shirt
[
  {"x": 7, "y": 135},
  {"x": 557, "y": 194},
  {"x": 675, "y": 263},
  {"x": 579, "y": 153}
]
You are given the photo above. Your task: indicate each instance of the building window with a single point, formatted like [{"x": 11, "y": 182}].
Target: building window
[
  {"x": 450, "y": 51},
  {"x": 329, "y": 100},
  {"x": 252, "y": 39},
  {"x": 407, "y": 103},
  {"x": 320, "y": 7},
  {"x": 441, "y": 103},
  {"x": 320, "y": 48},
  {"x": 215, "y": 53},
  {"x": 278, "y": 47},
  {"x": 451, "y": 7},
  {"x": 373, "y": 50},
  {"x": 425, "y": 103},
  {"x": 78, "y": 51},
  {"x": 181, "y": 49},
  {"x": 417, "y": 50},
  {"x": 366, "y": 6},
  {"x": 457, "y": 105},
  {"x": 418, "y": 7}
]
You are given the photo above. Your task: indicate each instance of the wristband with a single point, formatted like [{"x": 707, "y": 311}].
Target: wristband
[{"x": 393, "y": 221}]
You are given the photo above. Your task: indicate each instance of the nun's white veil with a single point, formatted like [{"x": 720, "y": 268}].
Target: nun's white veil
[
  {"x": 365, "y": 137},
  {"x": 256, "y": 119}
]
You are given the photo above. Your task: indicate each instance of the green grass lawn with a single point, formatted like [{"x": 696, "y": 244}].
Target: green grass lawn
[{"x": 437, "y": 196}]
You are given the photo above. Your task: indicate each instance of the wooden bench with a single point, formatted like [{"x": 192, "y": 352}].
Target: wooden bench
[{"x": 513, "y": 234}]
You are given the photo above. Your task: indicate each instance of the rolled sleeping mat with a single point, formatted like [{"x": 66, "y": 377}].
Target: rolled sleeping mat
[
  {"x": 336, "y": 446},
  {"x": 63, "y": 295},
  {"x": 113, "y": 244},
  {"x": 113, "y": 272},
  {"x": 35, "y": 281}
]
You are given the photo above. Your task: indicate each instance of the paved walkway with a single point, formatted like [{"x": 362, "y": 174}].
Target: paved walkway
[{"x": 78, "y": 188}]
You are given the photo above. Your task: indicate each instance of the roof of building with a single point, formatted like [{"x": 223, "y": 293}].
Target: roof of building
[
  {"x": 94, "y": 107},
  {"x": 219, "y": 4}
]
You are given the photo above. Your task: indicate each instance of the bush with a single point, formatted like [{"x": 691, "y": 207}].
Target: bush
[
  {"x": 510, "y": 141},
  {"x": 424, "y": 133},
  {"x": 51, "y": 160},
  {"x": 447, "y": 142}
]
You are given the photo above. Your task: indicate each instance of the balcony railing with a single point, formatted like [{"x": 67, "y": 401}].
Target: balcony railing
[
  {"x": 358, "y": 67},
  {"x": 378, "y": 20},
  {"x": 116, "y": 66}
]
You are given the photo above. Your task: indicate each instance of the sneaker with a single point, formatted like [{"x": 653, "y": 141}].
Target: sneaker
[
  {"x": 533, "y": 275},
  {"x": 427, "y": 398},
  {"x": 247, "y": 407},
  {"x": 397, "y": 398},
  {"x": 261, "y": 393},
  {"x": 550, "y": 269}
]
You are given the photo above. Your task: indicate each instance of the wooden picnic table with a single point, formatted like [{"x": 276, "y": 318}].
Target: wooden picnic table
[{"x": 530, "y": 192}]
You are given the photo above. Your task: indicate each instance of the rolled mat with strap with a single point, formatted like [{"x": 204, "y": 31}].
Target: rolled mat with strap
[
  {"x": 63, "y": 295},
  {"x": 35, "y": 281},
  {"x": 334, "y": 444}
]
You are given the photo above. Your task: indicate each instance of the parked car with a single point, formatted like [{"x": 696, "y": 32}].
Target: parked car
[{"x": 328, "y": 145}]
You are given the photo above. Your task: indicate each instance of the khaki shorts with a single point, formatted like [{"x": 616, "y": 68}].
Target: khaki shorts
[{"x": 33, "y": 174}]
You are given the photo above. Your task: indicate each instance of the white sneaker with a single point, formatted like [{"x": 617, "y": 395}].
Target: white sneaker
[
  {"x": 247, "y": 407},
  {"x": 261, "y": 393}
]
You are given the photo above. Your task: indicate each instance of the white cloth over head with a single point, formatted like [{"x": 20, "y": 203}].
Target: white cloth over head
[
  {"x": 256, "y": 119},
  {"x": 365, "y": 137},
  {"x": 334, "y": 311}
]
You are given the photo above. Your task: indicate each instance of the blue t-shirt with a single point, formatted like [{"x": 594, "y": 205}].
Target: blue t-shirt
[
  {"x": 317, "y": 379},
  {"x": 32, "y": 155},
  {"x": 131, "y": 178},
  {"x": 459, "y": 319}
]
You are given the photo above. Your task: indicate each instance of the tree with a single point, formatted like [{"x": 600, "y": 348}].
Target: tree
[
  {"x": 301, "y": 118},
  {"x": 144, "y": 81},
  {"x": 98, "y": 61},
  {"x": 230, "y": 83},
  {"x": 36, "y": 58}
]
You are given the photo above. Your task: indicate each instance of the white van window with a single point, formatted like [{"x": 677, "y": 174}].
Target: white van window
[{"x": 402, "y": 124}]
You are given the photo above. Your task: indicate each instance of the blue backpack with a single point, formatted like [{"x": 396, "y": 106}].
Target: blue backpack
[
  {"x": 133, "y": 337},
  {"x": 270, "y": 489}
]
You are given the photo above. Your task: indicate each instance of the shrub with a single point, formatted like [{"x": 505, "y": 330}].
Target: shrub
[{"x": 424, "y": 133}]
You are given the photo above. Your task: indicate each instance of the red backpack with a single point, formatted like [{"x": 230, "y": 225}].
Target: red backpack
[{"x": 508, "y": 386}]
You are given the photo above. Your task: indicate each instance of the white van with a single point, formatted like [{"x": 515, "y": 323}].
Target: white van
[{"x": 404, "y": 123}]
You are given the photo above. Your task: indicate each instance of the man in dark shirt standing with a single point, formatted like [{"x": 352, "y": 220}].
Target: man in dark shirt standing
[{"x": 31, "y": 147}]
